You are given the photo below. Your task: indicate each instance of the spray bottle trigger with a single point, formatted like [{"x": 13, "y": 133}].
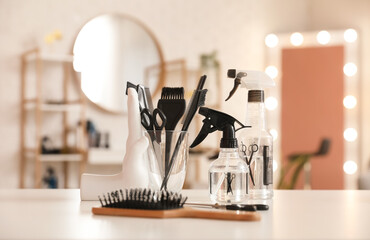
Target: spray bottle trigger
[{"x": 237, "y": 82}]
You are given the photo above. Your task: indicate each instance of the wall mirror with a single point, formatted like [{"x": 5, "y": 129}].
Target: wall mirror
[
  {"x": 110, "y": 50},
  {"x": 316, "y": 97}
]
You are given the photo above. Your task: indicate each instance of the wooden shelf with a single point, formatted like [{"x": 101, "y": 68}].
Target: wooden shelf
[
  {"x": 47, "y": 107},
  {"x": 39, "y": 106},
  {"x": 70, "y": 157},
  {"x": 61, "y": 157},
  {"x": 51, "y": 58}
]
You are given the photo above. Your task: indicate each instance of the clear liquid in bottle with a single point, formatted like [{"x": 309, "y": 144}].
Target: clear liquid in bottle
[{"x": 228, "y": 178}]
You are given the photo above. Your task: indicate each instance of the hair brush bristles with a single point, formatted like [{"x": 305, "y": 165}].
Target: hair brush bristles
[
  {"x": 145, "y": 199},
  {"x": 172, "y": 93}
]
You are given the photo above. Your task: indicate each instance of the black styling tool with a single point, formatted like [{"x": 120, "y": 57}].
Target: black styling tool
[
  {"x": 241, "y": 207},
  {"x": 197, "y": 100},
  {"x": 173, "y": 105},
  {"x": 160, "y": 204}
]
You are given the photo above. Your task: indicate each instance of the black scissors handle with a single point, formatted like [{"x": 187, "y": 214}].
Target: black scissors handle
[
  {"x": 162, "y": 117},
  {"x": 253, "y": 148},
  {"x": 150, "y": 122},
  {"x": 146, "y": 119}
]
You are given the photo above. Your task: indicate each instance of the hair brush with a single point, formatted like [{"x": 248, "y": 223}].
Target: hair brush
[{"x": 160, "y": 204}]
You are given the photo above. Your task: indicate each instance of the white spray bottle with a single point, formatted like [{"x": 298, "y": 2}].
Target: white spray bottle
[{"x": 255, "y": 143}]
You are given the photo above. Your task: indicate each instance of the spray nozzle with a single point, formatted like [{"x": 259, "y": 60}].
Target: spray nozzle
[
  {"x": 249, "y": 79},
  {"x": 218, "y": 121}
]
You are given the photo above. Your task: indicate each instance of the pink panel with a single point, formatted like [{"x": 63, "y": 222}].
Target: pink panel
[{"x": 312, "y": 108}]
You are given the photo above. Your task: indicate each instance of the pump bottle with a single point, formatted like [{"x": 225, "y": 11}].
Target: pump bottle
[
  {"x": 256, "y": 143},
  {"x": 228, "y": 174}
]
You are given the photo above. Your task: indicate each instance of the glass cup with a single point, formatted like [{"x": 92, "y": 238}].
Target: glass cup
[{"x": 167, "y": 154}]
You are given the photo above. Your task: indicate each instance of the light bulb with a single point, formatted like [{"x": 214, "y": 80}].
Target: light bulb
[
  {"x": 350, "y": 134},
  {"x": 350, "y": 69},
  {"x": 274, "y": 134},
  {"x": 296, "y": 39},
  {"x": 350, "y": 35},
  {"x": 323, "y": 37},
  {"x": 271, "y": 71},
  {"x": 271, "y": 40},
  {"x": 271, "y": 103},
  {"x": 350, "y": 167},
  {"x": 349, "y": 102},
  {"x": 274, "y": 165}
]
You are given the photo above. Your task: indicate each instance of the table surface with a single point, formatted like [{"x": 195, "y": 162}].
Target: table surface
[{"x": 59, "y": 214}]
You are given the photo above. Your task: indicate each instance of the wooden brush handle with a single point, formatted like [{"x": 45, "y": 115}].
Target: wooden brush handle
[{"x": 181, "y": 213}]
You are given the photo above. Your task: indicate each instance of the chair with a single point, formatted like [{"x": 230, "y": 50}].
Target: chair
[{"x": 298, "y": 162}]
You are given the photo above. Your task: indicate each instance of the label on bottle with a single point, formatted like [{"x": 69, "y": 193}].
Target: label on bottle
[{"x": 267, "y": 166}]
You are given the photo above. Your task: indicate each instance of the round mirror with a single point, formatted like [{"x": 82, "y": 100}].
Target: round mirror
[{"x": 110, "y": 50}]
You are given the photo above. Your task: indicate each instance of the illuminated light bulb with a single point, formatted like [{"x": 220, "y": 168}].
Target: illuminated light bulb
[
  {"x": 323, "y": 37},
  {"x": 296, "y": 39},
  {"x": 350, "y": 35},
  {"x": 271, "y": 40},
  {"x": 350, "y": 167},
  {"x": 350, "y": 69},
  {"x": 349, "y": 102},
  {"x": 274, "y": 165},
  {"x": 272, "y": 71},
  {"x": 350, "y": 134},
  {"x": 271, "y": 103},
  {"x": 274, "y": 134}
]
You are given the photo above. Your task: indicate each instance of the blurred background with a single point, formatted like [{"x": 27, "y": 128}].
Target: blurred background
[{"x": 64, "y": 66}]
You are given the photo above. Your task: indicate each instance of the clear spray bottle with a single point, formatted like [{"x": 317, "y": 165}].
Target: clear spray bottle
[
  {"x": 228, "y": 174},
  {"x": 256, "y": 143}
]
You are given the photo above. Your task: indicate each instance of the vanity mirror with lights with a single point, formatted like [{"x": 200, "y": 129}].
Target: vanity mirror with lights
[
  {"x": 316, "y": 97},
  {"x": 110, "y": 50}
]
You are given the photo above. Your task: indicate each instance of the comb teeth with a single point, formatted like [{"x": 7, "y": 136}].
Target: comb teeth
[
  {"x": 200, "y": 101},
  {"x": 143, "y": 199},
  {"x": 202, "y": 98},
  {"x": 172, "y": 93}
]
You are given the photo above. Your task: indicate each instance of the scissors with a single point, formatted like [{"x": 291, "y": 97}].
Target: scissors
[
  {"x": 229, "y": 178},
  {"x": 252, "y": 148},
  {"x": 150, "y": 123}
]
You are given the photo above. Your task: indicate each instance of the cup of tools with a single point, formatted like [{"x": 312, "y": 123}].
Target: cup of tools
[{"x": 167, "y": 162}]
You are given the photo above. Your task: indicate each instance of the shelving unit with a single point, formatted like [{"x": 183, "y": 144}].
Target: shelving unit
[{"x": 39, "y": 106}]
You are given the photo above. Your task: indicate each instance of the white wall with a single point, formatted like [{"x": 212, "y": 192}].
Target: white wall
[{"x": 185, "y": 29}]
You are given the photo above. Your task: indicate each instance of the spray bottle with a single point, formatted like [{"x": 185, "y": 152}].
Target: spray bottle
[
  {"x": 255, "y": 144},
  {"x": 228, "y": 174}
]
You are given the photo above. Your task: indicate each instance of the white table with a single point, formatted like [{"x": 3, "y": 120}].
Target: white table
[{"x": 59, "y": 214}]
